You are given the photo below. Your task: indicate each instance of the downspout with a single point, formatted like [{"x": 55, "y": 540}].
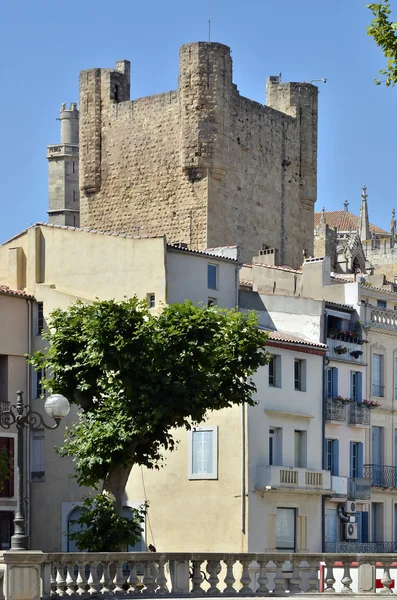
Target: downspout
[
  {"x": 243, "y": 468},
  {"x": 325, "y": 362},
  {"x": 27, "y": 400}
]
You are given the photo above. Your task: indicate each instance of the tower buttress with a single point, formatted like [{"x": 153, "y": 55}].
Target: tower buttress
[
  {"x": 363, "y": 224},
  {"x": 63, "y": 171}
]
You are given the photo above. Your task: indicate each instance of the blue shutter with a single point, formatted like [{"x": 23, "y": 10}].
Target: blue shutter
[
  {"x": 364, "y": 527},
  {"x": 359, "y": 387},
  {"x": 335, "y": 457},
  {"x": 360, "y": 459},
  {"x": 351, "y": 384},
  {"x": 359, "y": 526},
  {"x": 334, "y": 382},
  {"x": 326, "y": 453},
  {"x": 351, "y": 459}
]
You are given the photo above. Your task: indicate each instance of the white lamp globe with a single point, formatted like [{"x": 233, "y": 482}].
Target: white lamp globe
[{"x": 57, "y": 406}]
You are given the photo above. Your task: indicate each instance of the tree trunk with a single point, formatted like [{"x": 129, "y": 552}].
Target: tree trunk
[{"x": 115, "y": 484}]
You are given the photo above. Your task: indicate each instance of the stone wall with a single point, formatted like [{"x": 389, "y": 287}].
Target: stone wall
[
  {"x": 201, "y": 164},
  {"x": 383, "y": 258}
]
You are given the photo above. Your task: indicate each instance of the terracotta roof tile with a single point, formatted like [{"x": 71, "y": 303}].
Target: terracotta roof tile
[
  {"x": 5, "y": 290},
  {"x": 277, "y": 336},
  {"x": 343, "y": 221},
  {"x": 279, "y": 267}
]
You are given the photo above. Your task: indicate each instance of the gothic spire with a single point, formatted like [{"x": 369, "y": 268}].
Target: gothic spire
[
  {"x": 363, "y": 224},
  {"x": 322, "y": 218}
]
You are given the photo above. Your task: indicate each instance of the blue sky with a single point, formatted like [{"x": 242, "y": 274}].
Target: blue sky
[{"x": 44, "y": 44}]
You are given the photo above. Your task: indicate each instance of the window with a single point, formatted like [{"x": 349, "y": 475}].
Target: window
[
  {"x": 39, "y": 318},
  {"x": 286, "y": 529},
  {"x": 356, "y": 386},
  {"x": 377, "y": 375},
  {"x": 300, "y": 449},
  {"x": 73, "y": 526},
  {"x": 212, "y": 302},
  {"x": 332, "y": 456},
  {"x": 356, "y": 459},
  {"x": 6, "y": 529},
  {"x": 37, "y": 468},
  {"x": 73, "y": 167},
  {"x": 381, "y": 303},
  {"x": 7, "y": 446},
  {"x": 212, "y": 274},
  {"x": 151, "y": 300},
  {"x": 332, "y": 382},
  {"x": 37, "y": 385},
  {"x": 300, "y": 375},
  {"x": 275, "y": 446},
  {"x": 203, "y": 453},
  {"x": 74, "y": 195},
  {"x": 275, "y": 371},
  {"x": 395, "y": 380}
]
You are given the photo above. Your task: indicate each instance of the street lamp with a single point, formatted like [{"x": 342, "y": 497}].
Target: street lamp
[{"x": 57, "y": 407}]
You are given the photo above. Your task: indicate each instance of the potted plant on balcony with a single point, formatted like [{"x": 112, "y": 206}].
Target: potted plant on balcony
[
  {"x": 356, "y": 353},
  {"x": 370, "y": 403},
  {"x": 341, "y": 349}
]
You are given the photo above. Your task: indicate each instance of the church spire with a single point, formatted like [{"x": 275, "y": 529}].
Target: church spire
[
  {"x": 392, "y": 227},
  {"x": 363, "y": 224}
]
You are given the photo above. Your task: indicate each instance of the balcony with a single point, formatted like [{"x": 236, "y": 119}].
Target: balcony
[
  {"x": 342, "y": 350},
  {"x": 292, "y": 479},
  {"x": 381, "y": 476},
  {"x": 335, "y": 410},
  {"x": 359, "y": 488},
  {"x": 56, "y": 150},
  {"x": 384, "y": 318},
  {"x": 359, "y": 415},
  {"x": 360, "y": 547}
]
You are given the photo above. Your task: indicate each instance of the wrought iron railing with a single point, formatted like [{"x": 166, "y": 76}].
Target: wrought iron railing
[
  {"x": 383, "y": 476},
  {"x": 360, "y": 547},
  {"x": 359, "y": 414},
  {"x": 378, "y": 390},
  {"x": 359, "y": 488},
  {"x": 335, "y": 410}
]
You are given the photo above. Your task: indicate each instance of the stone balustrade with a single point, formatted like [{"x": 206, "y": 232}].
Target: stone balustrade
[
  {"x": 383, "y": 317},
  {"x": 62, "y": 150},
  {"x": 37, "y": 575}
]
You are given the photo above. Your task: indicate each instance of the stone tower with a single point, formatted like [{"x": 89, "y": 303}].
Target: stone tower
[
  {"x": 63, "y": 171},
  {"x": 202, "y": 164},
  {"x": 363, "y": 226}
]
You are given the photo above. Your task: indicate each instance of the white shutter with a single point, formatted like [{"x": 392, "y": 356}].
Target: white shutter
[{"x": 376, "y": 380}]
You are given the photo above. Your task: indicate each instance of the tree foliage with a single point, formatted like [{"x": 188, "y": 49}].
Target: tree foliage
[
  {"x": 383, "y": 30},
  {"x": 5, "y": 467},
  {"x": 137, "y": 376},
  {"x": 103, "y": 530}
]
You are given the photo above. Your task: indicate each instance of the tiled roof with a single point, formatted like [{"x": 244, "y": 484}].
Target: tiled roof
[
  {"x": 343, "y": 221},
  {"x": 247, "y": 283},
  {"x": 287, "y": 338},
  {"x": 279, "y": 267},
  {"x": 178, "y": 248},
  {"x": 339, "y": 305},
  {"x": 372, "y": 287},
  {"x": 5, "y": 290}
]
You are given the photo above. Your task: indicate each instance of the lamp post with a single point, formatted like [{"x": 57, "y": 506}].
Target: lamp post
[{"x": 57, "y": 407}]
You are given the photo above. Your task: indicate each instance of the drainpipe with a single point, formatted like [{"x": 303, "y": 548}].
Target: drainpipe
[
  {"x": 243, "y": 468},
  {"x": 28, "y": 397},
  {"x": 324, "y": 379}
]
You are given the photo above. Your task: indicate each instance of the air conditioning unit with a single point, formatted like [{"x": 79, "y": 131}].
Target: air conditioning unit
[
  {"x": 350, "y": 507},
  {"x": 350, "y": 531}
]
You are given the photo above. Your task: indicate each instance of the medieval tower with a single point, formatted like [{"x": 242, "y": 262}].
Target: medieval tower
[
  {"x": 63, "y": 171},
  {"x": 201, "y": 164}
]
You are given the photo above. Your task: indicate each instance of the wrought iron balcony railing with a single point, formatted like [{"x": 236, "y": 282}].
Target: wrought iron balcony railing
[
  {"x": 359, "y": 488},
  {"x": 359, "y": 414},
  {"x": 361, "y": 547},
  {"x": 383, "y": 476},
  {"x": 335, "y": 410}
]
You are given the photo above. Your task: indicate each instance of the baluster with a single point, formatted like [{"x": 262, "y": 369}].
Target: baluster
[
  {"x": 148, "y": 580},
  {"x": 53, "y": 581},
  {"x": 161, "y": 579},
  {"x": 279, "y": 581},
  {"x": 229, "y": 577},
  {"x": 70, "y": 580},
  {"x": 346, "y": 579},
  {"x": 213, "y": 568},
  {"x": 386, "y": 580},
  {"x": 313, "y": 576},
  {"x": 119, "y": 579},
  {"x": 60, "y": 581},
  {"x": 81, "y": 580},
  {"x": 197, "y": 577},
  {"x": 245, "y": 578},
  {"x": 93, "y": 579},
  {"x": 329, "y": 578},
  {"x": 262, "y": 579},
  {"x": 106, "y": 579},
  {"x": 295, "y": 579},
  {"x": 133, "y": 579}
]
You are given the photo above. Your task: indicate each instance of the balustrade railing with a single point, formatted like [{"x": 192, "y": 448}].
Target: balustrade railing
[
  {"x": 383, "y": 476},
  {"x": 383, "y": 317},
  {"x": 335, "y": 410},
  {"x": 359, "y": 414},
  {"x": 107, "y": 575},
  {"x": 61, "y": 149},
  {"x": 360, "y": 547}
]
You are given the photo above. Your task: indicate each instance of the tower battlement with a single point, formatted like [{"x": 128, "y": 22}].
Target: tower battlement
[{"x": 201, "y": 163}]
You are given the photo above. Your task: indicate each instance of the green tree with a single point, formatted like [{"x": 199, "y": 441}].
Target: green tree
[
  {"x": 137, "y": 377},
  {"x": 4, "y": 467},
  {"x": 383, "y": 30}
]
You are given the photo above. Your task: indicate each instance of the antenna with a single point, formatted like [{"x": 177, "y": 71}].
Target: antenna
[{"x": 209, "y": 20}]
